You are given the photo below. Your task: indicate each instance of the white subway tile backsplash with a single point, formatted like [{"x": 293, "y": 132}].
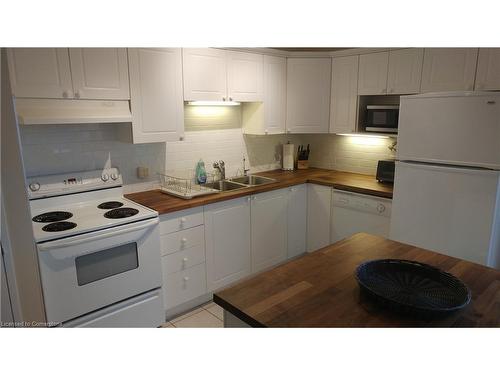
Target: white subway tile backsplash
[{"x": 211, "y": 134}]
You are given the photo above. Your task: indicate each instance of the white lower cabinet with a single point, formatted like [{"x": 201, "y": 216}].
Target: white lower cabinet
[
  {"x": 319, "y": 199},
  {"x": 297, "y": 220},
  {"x": 269, "y": 228},
  {"x": 227, "y": 241},
  {"x": 183, "y": 256},
  {"x": 183, "y": 286}
]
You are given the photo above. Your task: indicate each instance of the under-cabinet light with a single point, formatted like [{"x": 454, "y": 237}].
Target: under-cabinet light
[
  {"x": 213, "y": 103},
  {"x": 364, "y": 135}
]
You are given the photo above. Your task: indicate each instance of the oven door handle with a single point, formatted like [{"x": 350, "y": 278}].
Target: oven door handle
[{"x": 94, "y": 236}]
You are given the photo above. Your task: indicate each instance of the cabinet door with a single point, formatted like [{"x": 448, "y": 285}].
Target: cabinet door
[
  {"x": 100, "y": 73},
  {"x": 308, "y": 95},
  {"x": 488, "y": 69},
  {"x": 274, "y": 94},
  {"x": 344, "y": 94},
  {"x": 227, "y": 241},
  {"x": 297, "y": 220},
  {"x": 373, "y": 73},
  {"x": 204, "y": 72},
  {"x": 405, "y": 71},
  {"x": 319, "y": 200},
  {"x": 245, "y": 77},
  {"x": 269, "y": 229},
  {"x": 156, "y": 94},
  {"x": 40, "y": 72},
  {"x": 448, "y": 69}
]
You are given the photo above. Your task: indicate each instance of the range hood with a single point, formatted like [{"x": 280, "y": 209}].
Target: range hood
[{"x": 68, "y": 111}]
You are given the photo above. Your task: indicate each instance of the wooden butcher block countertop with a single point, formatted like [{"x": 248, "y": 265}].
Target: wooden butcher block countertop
[
  {"x": 320, "y": 290},
  {"x": 354, "y": 182}
]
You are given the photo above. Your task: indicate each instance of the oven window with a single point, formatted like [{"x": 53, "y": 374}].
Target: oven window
[{"x": 106, "y": 263}]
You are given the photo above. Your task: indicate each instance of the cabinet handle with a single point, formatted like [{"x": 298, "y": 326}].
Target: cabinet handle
[
  {"x": 223, "y": 99},
  {"x": 183, "y": 220},
  {"x": 384, "y": 91},
  {"x": 184, "y": 240},
  {"x": 181, "y": 138},
  {"x": 185, "y": 260},
  {"x": 67, "y": 94},
  {"x": 293, "y": 189},
  {"x": 78, "y": 94},
  {"x": 254, "y": 198},
  {"x": 265, "y": 131},
  {"x": 230, "y": 99},
  {"x": 186, "y": 278},
  {"x": 248, "y": 199}
]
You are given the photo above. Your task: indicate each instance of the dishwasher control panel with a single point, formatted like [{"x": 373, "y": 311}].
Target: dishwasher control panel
[{"x": 362, "y": 203}]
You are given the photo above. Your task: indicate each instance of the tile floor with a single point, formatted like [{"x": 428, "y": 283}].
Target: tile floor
[{"x": 208, "y": 315}]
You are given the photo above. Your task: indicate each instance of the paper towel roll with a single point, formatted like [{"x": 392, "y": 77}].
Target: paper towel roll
[{"x": 288, "y": 151}]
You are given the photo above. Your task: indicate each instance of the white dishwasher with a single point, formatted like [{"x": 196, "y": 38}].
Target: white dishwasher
[{"x": 353, "y": 213}]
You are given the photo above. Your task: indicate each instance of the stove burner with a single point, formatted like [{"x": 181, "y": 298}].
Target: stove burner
[
  {"x": 110, "y": 205},
  {"x": 49, "y": 217},
  {"x": 59, "y": 226},
  {"x": 119, "y": 213}
]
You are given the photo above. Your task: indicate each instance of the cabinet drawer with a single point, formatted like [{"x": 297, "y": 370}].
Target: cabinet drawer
[
  {"x": 182, "y": 260},
  {"x": 183, "y": 286},
  {"x": 181, "y": 220},
  {"x": 182, "y": 240}
]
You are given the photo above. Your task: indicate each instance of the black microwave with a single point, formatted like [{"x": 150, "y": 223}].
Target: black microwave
[{"x": 382, "y": 118}]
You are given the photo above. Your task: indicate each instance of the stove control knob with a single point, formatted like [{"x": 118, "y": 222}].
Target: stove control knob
[
  {"x": 34, "y": 186},
  {"x": 114, "y": 176},
  {"x": 104, "y": 177},
  {"x": 380, "y": 208}
]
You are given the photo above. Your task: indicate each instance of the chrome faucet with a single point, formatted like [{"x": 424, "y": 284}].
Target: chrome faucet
[{"x": 220, "y": 166}]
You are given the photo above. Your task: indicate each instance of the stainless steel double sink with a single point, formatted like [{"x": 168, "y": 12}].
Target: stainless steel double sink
[{"x": 242, "y": 182}]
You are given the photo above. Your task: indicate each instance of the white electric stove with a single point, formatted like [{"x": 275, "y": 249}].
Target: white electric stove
[{"x": 99, "y": 253}]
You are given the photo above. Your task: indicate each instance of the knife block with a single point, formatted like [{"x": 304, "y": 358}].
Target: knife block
[{"x": 302, "y": 164}]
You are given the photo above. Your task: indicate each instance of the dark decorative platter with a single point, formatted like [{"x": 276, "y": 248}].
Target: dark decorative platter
[{"x": 412, "y": 287}]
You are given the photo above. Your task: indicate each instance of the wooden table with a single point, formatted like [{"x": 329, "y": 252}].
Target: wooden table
[{"x": 319, "y": 290}]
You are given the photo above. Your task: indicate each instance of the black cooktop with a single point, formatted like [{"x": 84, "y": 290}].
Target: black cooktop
[
  {"x": 59, "y": 226},
  {"x": 49, "y": 217},
  {"x": 110, "y": 205},
  {"x": 120, "y": 213}
]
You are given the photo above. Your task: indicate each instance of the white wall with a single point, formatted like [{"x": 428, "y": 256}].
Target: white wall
[
  {"x": 212, "y": 133},
  {"x": 50, "y": 149},
  {"x": 351, "y": 154}
]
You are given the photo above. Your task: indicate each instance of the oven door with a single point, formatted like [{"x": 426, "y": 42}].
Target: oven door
[{"x": 86, "y": 272}]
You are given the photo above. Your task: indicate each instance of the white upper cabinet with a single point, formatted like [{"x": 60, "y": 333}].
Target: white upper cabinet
[
  {"x": 204, "y": 71},
  {"x": 274, "y": 94},
  {"x": 217, "y": 75},
  {"x": 344, "y": 91},
  {"x": 268, "y": 117},
  {"x": 405, "y": 71},
  {"x": 40, "y": 72},
  {"x": 448, "y": 69},
  {"x": 227, "y": 241},
  {"x": 269, "y": 229},
  {"x": 372, "y": 78},
  {"x": 488, "y": 69},
  {"x": 244, "y": 77},
  {"x": 79, "y": 73},
  {"x": 308, "y": 95},
  {"x": 156, "y": 94},
  {"x": 99, "y": 73}
]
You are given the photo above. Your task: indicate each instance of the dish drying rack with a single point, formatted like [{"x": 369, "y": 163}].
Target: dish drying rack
[{"x": 182, "y": 184}]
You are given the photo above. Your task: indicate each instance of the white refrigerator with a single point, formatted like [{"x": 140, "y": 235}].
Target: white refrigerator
[{"x": 447, "y": 179}]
